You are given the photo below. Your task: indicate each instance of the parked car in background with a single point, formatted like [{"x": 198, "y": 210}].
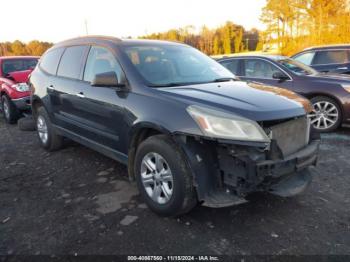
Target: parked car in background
[
  {"x": 330, "y": 58},
  {"x": 14, "y": 90},
  {"x": 329, "y": 93},
  {"x": 187, "y": 129}
]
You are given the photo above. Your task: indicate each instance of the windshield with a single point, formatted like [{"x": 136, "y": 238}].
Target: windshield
[
  {"x": 297, "y": 67},
  {"x": 171, "y": 65},
  {"x": 14, "y": 65}
]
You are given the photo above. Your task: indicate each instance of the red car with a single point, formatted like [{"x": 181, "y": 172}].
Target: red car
[{"x": 14, "y": 90}]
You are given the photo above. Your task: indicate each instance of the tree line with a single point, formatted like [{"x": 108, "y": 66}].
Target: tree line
[
  {"x": 293, "y": 25},
  {"x": 226, "y": 39},
  {"x": 35, "y": 48}
]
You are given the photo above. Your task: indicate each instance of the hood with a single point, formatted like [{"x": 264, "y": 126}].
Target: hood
[
  {"x": 251, "y": 100},
  {"x": 19, "y": 76}
]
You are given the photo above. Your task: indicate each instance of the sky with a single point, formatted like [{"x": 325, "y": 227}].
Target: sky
[{"x": 57, "y": 20}]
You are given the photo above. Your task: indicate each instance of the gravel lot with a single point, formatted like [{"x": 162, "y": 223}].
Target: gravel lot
[{"x": 76, "y": 201}]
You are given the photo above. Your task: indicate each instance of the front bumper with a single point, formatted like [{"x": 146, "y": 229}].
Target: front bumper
[
  {"x": 224, "y": 174},
  {"x": 245, "y": 175},
  {"x": 23, "y": 104}
]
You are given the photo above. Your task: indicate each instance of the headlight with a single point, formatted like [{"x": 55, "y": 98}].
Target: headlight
[
  {"x": 221, "y": 125},
  {"x": 21, "y": 87},
  {"x": 346, "y": 87}
]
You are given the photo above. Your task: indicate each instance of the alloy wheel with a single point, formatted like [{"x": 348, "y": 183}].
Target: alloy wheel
[
  {"x": 42, "y": 129},
  {"x": 324, "y": 115},
  {"x": 157, "y": 178}
]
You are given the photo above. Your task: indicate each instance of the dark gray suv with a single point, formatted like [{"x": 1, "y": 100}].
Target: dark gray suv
[
  {"x": 329, "y": 58},
  {"x": 188, "y": 131}
]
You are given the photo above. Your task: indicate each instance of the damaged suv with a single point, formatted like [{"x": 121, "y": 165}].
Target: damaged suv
[{"x": 187, "y": 129}]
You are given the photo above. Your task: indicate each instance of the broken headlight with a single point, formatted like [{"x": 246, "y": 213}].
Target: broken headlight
[{"x": 226, "y": 126}]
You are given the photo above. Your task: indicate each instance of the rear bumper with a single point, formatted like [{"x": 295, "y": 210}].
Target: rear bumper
[{"x": 23, "y": 104}]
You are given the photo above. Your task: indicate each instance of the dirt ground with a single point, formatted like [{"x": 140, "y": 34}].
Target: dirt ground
[{"x": 76, "y": 201}]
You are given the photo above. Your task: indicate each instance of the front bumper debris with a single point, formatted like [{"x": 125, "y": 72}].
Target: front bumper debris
[{"x": 224, "y": 174}]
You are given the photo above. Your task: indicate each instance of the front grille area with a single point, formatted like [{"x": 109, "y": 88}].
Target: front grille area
[{"x": 291, "y": 136}]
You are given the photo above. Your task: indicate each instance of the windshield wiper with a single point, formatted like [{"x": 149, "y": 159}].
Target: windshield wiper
[
  {"x": 173, "y": 84},
  {"x": 224, "y": 79}
]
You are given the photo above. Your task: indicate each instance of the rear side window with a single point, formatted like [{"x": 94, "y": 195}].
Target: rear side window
[
  {"x": 50, "y": 61},
  {"x": 71, "y": 62},
  {"x": 305, "y": 58},
  {"x": 100, "y": 60},
  {"x": 331, "y": 57},
  {"x": 231, "y": 65}
]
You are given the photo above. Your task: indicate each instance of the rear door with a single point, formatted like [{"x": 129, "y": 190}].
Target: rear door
[
  {"x": 335, "y": 61},
  {"x": 68, "y": 90},
  {"x": 261, "y": 70}
]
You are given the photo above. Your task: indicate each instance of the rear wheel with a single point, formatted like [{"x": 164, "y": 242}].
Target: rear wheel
[
  {"x": 48, "y": 137},
  {"x": 9, "y": 110},
  {"x": 163, "y": 177},
  {"x": 326, "y": 116}
]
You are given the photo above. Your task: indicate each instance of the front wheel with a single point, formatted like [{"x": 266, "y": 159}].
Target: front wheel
[
  {"x": 163, "y": 177},
  {"x": 326, "y": 116},
  {"x": 9, "y": 110}
]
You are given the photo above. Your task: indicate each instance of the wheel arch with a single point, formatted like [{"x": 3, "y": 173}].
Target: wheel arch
[
  {"x": 139, "y": 133},
  {"x": 36, "y": 103}
]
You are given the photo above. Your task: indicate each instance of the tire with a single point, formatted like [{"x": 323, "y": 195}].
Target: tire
[
  {"x": 327, "y": 115},
  {"x": 9, "y": 110},
  {"x": 26, "y": 124},
  {"x": 47, "y": 135},
  {"x": 183, "y": 195}
]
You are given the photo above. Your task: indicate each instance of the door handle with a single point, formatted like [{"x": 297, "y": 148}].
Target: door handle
[
  {"x": 342, "y": 68},
  {"x": 50, "y": 87},
  {"x": 81, "y": 95}
]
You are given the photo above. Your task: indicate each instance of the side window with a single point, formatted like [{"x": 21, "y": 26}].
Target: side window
[
  {"x": 257, "y": 68},
  {"x": 71, "y": 62},
  {"x": 100, "y": 60},
  {"x": 305, "y": 58},
  {"x": 330, "y": 57},
  {"x": 50, "y": 60},
  {"x": 232, "y": 65}
]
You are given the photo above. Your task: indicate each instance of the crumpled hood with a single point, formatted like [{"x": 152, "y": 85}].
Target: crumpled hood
[
  {"x": 20, "y": 76},
  {"x": 251, "y": 100}
]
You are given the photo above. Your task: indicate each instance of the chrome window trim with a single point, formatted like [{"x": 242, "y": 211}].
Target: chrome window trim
[{"x": 266, "y": 60}]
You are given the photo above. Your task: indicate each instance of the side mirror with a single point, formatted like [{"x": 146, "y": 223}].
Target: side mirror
[
  {"x": 280, "y": 76},
  {"x": 108, "y": 79}
]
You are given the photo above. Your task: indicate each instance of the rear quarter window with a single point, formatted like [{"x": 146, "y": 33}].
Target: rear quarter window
[
  {"x": 50, "y": 60},
  {"x": 71, "y": 62},
  {"x": 331, "y": 57}
]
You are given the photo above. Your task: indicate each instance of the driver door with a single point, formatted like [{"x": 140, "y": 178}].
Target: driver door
[{"x": 103, "y": 106}]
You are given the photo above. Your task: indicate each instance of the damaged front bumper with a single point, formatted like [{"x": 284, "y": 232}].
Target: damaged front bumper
[{"x": 225, "y": 173}]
